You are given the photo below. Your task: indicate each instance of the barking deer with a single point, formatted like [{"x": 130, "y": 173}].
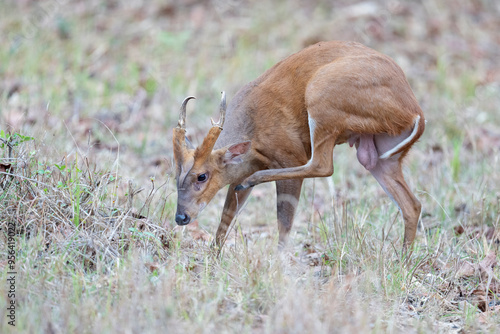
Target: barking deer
[{"x": 284, "y": 125}]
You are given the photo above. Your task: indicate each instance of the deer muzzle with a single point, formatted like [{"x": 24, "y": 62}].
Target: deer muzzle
[{"x": 182, "y": 218}]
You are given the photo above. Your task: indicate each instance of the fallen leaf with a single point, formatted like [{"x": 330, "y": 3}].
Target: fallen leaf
[
  {"x": 475, "y": 232},
  {"x": 466, "y": 269},
  {"x": 483, "y": 269},
  {"x": 4, "y": 168},
  {"x": 489, "y": 262},
  {"x": 490, "y": 282},
  {"x": 489, "y": 285},
  {"x": 479, "y": 299}
]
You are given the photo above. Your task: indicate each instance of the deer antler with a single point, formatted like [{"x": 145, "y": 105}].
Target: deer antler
[
  {"x": 222, "y": 110},
  {"x": 182, "y": 114},
  {"x": 179, "y": 139}
]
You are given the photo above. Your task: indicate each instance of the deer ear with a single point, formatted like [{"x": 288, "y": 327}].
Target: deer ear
[{"x": 234, "y": 152}]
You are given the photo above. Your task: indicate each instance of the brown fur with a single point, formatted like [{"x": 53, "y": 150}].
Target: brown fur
[{"x": 347, "y": 89}]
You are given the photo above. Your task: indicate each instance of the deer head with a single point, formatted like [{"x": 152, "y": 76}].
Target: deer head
[{"x": 201, "y": 172}]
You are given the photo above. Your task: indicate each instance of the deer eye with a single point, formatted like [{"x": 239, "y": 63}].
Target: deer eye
[{"x": 202, "y": 177}]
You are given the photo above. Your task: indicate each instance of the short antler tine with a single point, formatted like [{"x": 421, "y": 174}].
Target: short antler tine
[
  {"x": 182, "y": 114},
  {"x": 222, "y": 110}
]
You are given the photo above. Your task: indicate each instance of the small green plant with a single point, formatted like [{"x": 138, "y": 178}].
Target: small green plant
[{"x": 12, "y": 140}]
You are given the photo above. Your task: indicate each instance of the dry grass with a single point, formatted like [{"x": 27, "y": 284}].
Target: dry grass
[{"x": 97, "y": 85}]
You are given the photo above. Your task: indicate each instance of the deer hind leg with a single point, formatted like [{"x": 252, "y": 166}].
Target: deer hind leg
[
  {"x": 234, "y": 202},
  {"x": 371, "y": 152},
  {"x": 320, "y": 164},
  {"x": 389, "y": 174},
  {"x": 287, "y": 196}
]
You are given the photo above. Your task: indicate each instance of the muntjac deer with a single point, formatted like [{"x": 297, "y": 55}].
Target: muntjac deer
[{"x": 284, "y": 126}]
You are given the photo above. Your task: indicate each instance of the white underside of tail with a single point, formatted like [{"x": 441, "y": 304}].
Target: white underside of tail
[{"x": 389, "y": 153}]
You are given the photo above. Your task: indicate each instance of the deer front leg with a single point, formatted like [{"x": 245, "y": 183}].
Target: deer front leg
[
  {"x": 320, "y": 164},
  {"x": 234, "y": 202},
  {"x": 287, "y": 198}
]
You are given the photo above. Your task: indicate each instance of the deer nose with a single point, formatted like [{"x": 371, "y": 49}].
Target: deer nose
[{"x": 182, "y": 219}]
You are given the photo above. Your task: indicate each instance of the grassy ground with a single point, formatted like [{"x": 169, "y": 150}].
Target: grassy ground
[{"x": 90, "y": 92}]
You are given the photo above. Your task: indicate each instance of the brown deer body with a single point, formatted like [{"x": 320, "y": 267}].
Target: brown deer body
[{"x": 284, "y": 126}]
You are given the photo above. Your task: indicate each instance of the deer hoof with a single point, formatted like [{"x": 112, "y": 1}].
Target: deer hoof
[
  {"x": 243, "y": 186},
  {"x": 240, "y": 187}
]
